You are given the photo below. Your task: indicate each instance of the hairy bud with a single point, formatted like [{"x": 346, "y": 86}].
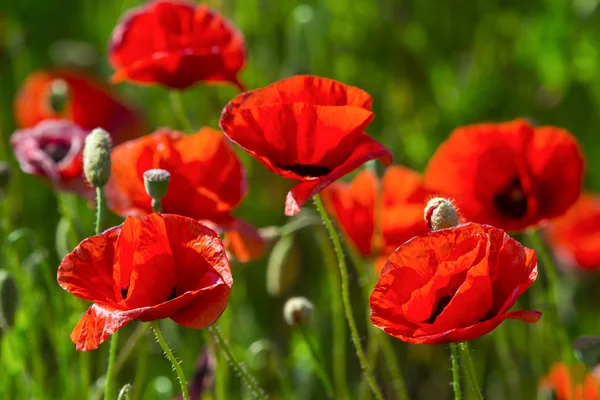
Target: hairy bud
[
  {"x": 297, "y": 311},
  {"x": 440, "y": 214},
  {"x": 96, "y": 157}
]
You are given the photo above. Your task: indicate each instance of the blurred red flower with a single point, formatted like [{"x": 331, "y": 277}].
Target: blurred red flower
[
  {"x": 207, "y": 182},
  {"x": 575, "y": 237},
  {"x": 376, "y": 216},
  {"x": 305, "y": 128},
  {"x": 509, "y": 175},
  {"x": 453, "y": 285},
  {"x": 53, "y": 149},
  {"x": 76, "y": 96},
  {"x": 149, "y": 268},
  {"x": 561, "y": 380},
  {"x": 176, "y": 44}
]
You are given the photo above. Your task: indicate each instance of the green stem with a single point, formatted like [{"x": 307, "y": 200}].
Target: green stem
[
  {"x": 346, "y": 298},
  {"x": 549, "y": 269},
  {"x": 468, "y": 363},
  {"x": 112, "y": 355},
  {"x": 156, "y": 205},
  {"x": 317, "y": 363},
  {"x": 240, "y": 370},
  {"x": 455, "y": 372},
  {"x": 100, "y": 209},
  {"x": 337, "y": 310},
  {"x": 163, "y": 344},
  {"x": 393, "y": 365},
  {"x": 179, "y": 111}
]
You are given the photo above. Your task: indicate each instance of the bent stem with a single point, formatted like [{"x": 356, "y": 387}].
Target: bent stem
[
  {"x": 180, "y": 376},
  {"x": 472, "y": 378},
  {"x": 346, "y": 298},
  {"x": 455, "y": 372},
  {"x": 179, "y": 111},
  {"x": 317, "y": 364},
  {"x": 239, "y": 368}
]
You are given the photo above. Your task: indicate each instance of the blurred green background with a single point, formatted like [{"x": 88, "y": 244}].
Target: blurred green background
[{"x": 430, "y": 66}]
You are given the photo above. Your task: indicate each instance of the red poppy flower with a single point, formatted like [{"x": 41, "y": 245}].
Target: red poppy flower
[
  {"x": 305, "y": 128},
  {"x": 149, "y": 268},
  {"x": 53, "y": 149},
  {"x": 207, "y": 181},
  {"x": 562, "y": 381},
  {"x": 377, "y": 218},
  {"x": 509, "y": 175},
  {"x": 575, "y": 237},
  {"x": 85, "y": 101},
  {"x": 453, "y": 285},
  {"x": 176, "y": 44}
]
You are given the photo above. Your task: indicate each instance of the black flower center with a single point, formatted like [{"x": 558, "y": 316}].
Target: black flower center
[
  {"x": 511, "y": 202},
  {"x": 124, "y": 293},
  {"x": 307, "y": 170},
  {"x": 56, "y": 150},
  {"x": 441, "y": 305}
]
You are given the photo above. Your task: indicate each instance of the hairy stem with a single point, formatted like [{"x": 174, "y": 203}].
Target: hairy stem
[
  {"x": 346, "y": 299},
  {"x": 163, "y": 344}
]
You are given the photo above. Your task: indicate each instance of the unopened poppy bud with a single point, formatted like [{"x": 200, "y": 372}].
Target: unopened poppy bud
[
  {"x": 4, "y": 175},
  {"x": 9, "y": 299},
  {"x": 440, "y": 214},
  {"x": 96, "y": 157},
  {"x": 59, "y": 95},
  {"x": 297, "y": 311}
]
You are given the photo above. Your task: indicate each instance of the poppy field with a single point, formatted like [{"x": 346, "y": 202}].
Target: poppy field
[{"x": 299, "y": 200}]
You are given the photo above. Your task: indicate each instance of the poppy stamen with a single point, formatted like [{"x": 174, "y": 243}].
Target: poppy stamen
[
  {"x": 307, "y": 171},
  {"x": 511, "y": 202}
]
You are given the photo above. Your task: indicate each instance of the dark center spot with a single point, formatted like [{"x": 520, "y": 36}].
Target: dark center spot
[
  {"x": 307, "y": 171},
  {"x": 441, "y": 305},
  {"x": 56, "y": 150},
  {"x": 511, "y": 202},
  {"x": 124, "y": 293},
  {"x": 173, "y": 293}
]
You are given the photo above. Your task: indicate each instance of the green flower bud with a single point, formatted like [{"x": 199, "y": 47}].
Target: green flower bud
[
  {"x": 440, "y": 214},
  {"x": 297, "y": 311},
  {"x": 96, "y": 157},
  {"x": 9, "y": 300}
]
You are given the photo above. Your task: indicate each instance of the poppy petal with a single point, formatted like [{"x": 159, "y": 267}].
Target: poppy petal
[
  {"x": 464, "y": 334},
  {"x": 86, "y": 272},
  {"x": 353, "y": 206},
  {"x": 366, "y": 149},
  {"x": 556, "y": 164},
  {"x": 176, "y": 44},
  {"x": 97, "y": 324},
  {"x": 307, "y": 89},
  {"x": 243, "y": 241},
  {"x": 298, "y": 134}
]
